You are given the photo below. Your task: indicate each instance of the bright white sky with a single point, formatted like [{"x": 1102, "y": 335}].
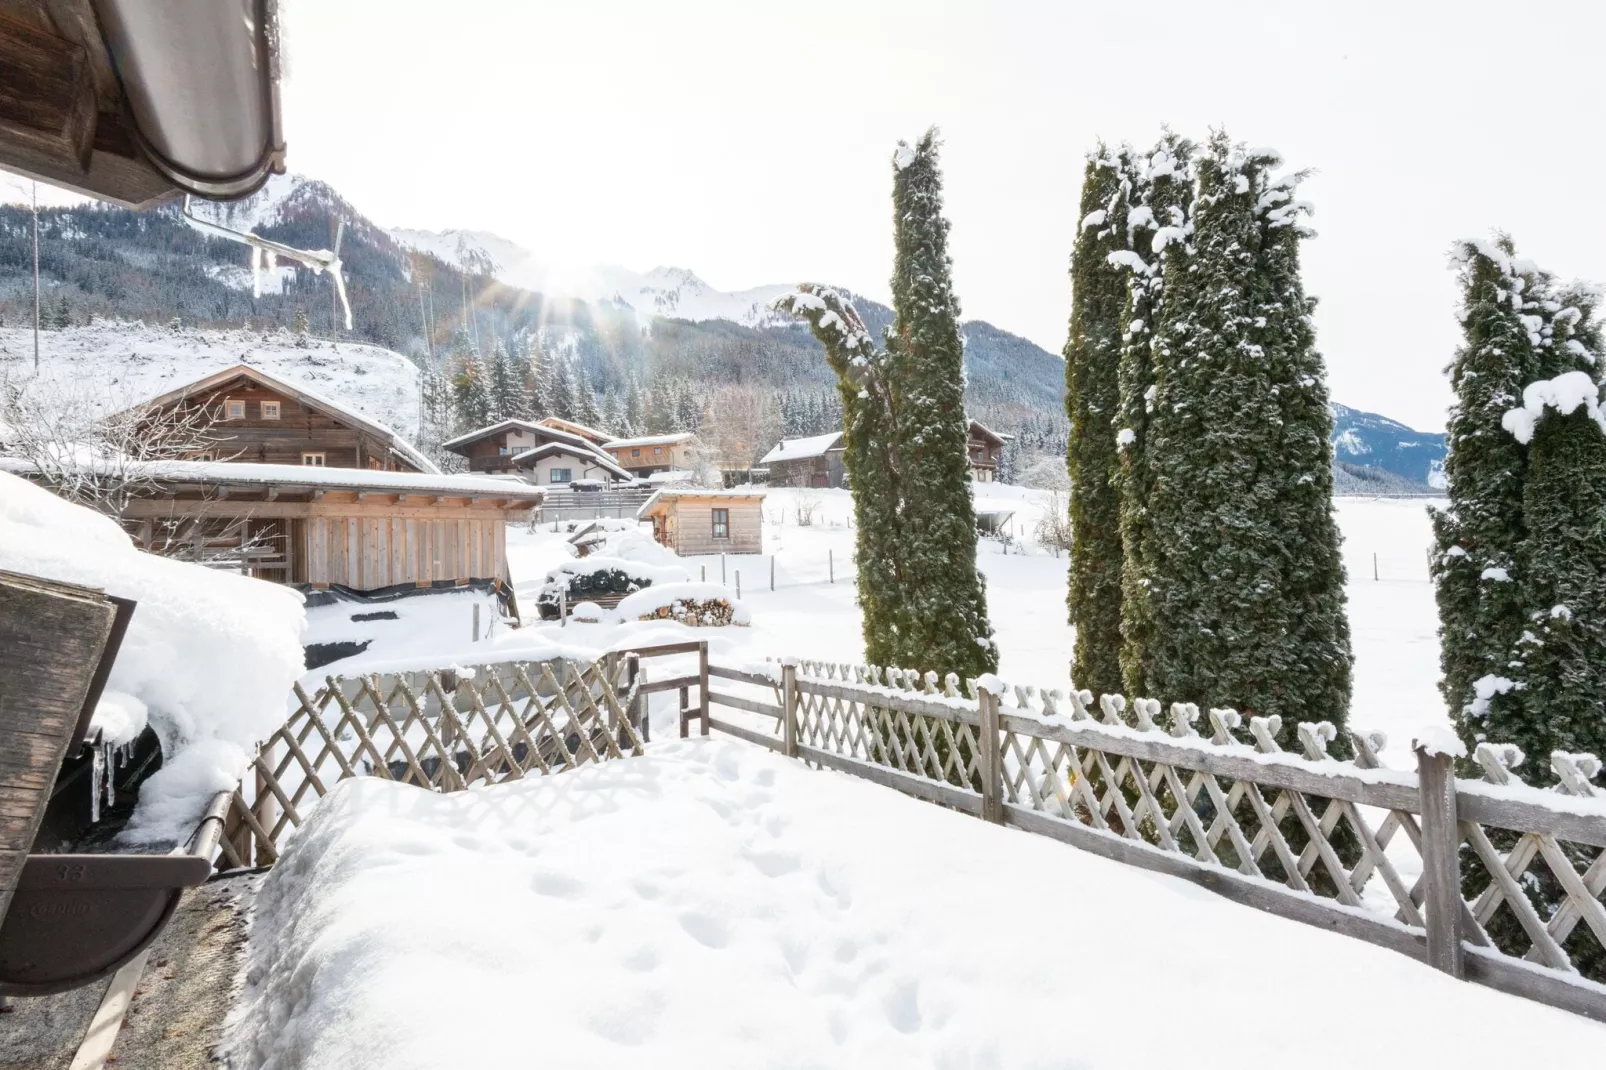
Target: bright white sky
[{"x": 751, "y": 141}]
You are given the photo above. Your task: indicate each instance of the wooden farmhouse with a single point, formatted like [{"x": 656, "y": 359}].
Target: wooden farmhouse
[
  {"x": 695, "y": 520},
  {"x": 651, "y": 454},
  {"x": 292, "y": 487},
  {"x": 541, "y": 452},
  {"x": 807, "y": 462},
  {"x": 258, "y": 418},
  {"x": 986, "y": 446}
]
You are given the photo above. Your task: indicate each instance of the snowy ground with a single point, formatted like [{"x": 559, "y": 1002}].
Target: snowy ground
[
  {"x": 1393, "y": 617},
  {"x": 714, "y": 905},
  {"x": 111, "y": 366}
]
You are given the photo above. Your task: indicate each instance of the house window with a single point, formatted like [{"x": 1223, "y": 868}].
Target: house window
[
  {"x": 561, "y": 475},
  {"x": 313, "y": 459},
  {"x": 504, "y": 451},
  {"x": 233, "y": 410},
  {"x": 270, "y": 410},
  {"x": 722, "y": 523},
  {"x": 657, "y": 451},
  {"x": 635, "y": 453}
]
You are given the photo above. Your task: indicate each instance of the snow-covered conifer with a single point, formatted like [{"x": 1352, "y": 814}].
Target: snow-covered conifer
[
  {"x": 1092, "y": 360},
  {"x": 1246, "y": 583}
]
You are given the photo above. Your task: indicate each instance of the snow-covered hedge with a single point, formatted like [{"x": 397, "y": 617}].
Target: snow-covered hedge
[
  {"x": 697, "y": 604},
  {"x": 209, "y": 657}
]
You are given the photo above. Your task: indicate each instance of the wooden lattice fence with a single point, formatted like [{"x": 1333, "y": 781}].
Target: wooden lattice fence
[
  {"x": 1490, "y": 879},
  {"x": 445, "y": 730}
]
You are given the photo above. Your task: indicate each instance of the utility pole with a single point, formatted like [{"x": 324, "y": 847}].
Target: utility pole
[{"x": 36, "y": 278}]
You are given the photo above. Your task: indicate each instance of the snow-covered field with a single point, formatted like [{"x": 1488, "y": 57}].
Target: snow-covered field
[
  {"x": 111, "y": 366},
  {"x": 1393, "y": 617},
  {"x": 714, "y": 905}
]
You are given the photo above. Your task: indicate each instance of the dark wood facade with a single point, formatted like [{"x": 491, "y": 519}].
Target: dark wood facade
[
  {"x": 986, "y": 447},
  {"x": 257, "y": 419}
]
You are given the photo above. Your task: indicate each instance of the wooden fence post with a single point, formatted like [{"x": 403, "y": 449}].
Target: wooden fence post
[
  {"x": 265, "y": 806},
  {"x": 1441, "y": 867},
  {"x": 772, "y": 572},
  {"x": 789, "y": 704},
  {"x": 685, "y": 698},
  {"x": 702, "y": 682},
  {"x": 989, "y": 759},
  {"x": 638, "y": 704}
]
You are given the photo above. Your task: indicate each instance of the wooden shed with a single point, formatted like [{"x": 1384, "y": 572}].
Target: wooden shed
[
  {"x": 696, "y": 520},
  {"x": 319, "y": 528},
  {"x": 807, "y": 462}
]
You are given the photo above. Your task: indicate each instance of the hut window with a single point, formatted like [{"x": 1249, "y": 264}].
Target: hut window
[
  {"x": 233, "y": 410},
  {"x": 561, "y": 475},
  {"x": 270, "y": 410},
  {"x": 722, "y": 523},
  {"x": 313, "y": 459},
  {"x": 635, "y": 453},
  {"x": 657, "y": 450}
]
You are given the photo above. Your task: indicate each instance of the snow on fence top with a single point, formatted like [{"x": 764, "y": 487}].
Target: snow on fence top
[{"x": 208, "y": 657}]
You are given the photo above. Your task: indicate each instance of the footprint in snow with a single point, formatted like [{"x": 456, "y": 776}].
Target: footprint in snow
[
  {"x": 706, "y": 929},
  {"x": 556, "y": 885},
  {"x": 774, "y": 863}
]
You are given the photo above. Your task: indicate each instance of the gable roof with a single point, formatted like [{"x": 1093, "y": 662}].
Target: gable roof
[
  {"x": 976, "y": 427},
  {"x": 591, "y": 456},
  {"x": 649, "y": 440},
  {"x": 664, "y": 495},
  {"x": 570, "y": 426},
  {"x": 801, "y": 449},
  {"x": 310, "y": 398},
  {"x": 229, "y": 473}
]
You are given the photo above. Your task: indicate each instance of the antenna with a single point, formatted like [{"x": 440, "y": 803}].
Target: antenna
[{"x": 319, "y": 261}]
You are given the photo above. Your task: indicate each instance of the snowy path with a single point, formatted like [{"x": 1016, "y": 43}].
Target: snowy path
[{"x": 714, "y": 905}]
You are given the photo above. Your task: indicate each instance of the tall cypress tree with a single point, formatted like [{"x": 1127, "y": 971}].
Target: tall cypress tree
[
  {"x": 1092, "y": 361},
  {"x": 923, "y": 600},
  {"x": 944, "y": 591},
  {"x": 1241, "y": 533},
  {"x": 1481, "y": 611}
]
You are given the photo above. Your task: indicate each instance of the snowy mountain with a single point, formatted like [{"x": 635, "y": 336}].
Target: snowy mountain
[
  {"x": 671, "y": 292},
  {"x": 110, "y": 366},
  {"x": 1367, "y": 440}
]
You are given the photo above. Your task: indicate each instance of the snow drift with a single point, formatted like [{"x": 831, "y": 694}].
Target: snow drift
[{"x": 209, "y": 657}]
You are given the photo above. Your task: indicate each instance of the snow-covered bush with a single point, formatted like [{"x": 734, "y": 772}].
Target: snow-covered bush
[
  {"x": 699, "y": 605},
  {"x": 588, "y": 578},
  {"x": 209, "y": 657}
]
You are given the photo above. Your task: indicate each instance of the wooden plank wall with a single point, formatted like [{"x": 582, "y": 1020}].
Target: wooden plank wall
[
  {"x": 369, "y": 552},
  {"x": 298, "y": 429},
  {"x": 51, "y": 639},
  {"x": 694, "y": 526}
]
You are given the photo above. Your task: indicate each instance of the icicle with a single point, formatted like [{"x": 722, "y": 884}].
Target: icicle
[
  {"x": 111, "y": 751},
  {"x": 97, "y": 773}
]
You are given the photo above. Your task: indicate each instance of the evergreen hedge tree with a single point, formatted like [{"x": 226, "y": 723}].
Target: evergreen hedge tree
[
  {"x": 1245, "y": 586},
  {"x": 1159, "y": 188},
  {"x": 944, "y": 590},
  {"x": 1092, "y": 363},
  {"x": 923, "y": 600}
]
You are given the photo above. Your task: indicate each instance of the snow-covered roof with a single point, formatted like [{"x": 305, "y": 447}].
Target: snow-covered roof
[
  {"x": 588, "y": 455},
  {"x": 695, "y": 492},
  {"x": 582, "y": 430},
  {"x": 305, "y": 396},
  {"x": 494, "y": 429},
  {"x": 802, "y": 449},
  {"x": 648, "y": 440},
  {"x": 977, "y": 427},
  {"x": 295, "y": 475}
]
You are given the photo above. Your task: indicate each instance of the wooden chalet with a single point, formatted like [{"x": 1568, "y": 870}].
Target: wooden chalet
[
  {"x": 258, "y": 418},
  {"x": 540, "y": 452},
  {"x": 807, "y": 462},
  {"x": 316, "y": 529},
  {"x": 651, "y": 454},
  {"x": 986, "y": 446},
  {"x": 696, "y": 520}
]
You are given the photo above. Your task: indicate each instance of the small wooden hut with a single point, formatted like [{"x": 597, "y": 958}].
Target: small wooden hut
[{"x": 696, "y": 520}]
